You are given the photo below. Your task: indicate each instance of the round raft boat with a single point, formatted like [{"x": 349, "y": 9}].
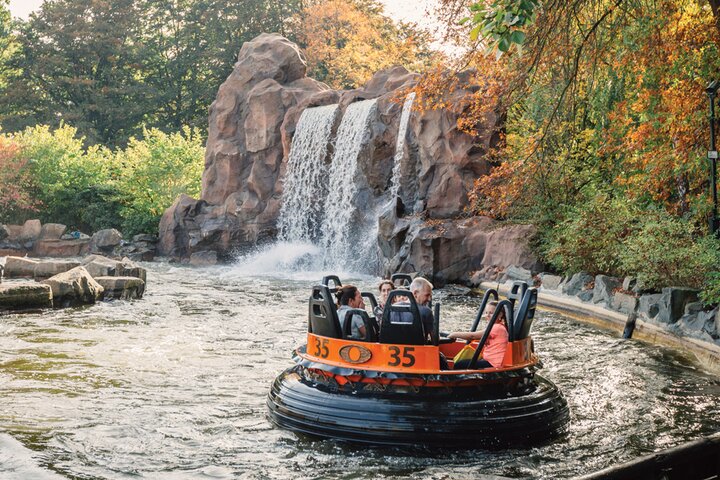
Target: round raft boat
[{"x": 399, "y": 386}]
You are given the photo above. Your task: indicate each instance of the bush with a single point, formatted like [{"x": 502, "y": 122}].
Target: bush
[
  {"x": 665, "y": 251},
  {"x": 591, "y": 237},
  {"x": 154, "y": 171}
]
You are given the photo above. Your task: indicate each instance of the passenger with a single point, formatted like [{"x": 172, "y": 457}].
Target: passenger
[
  {"x": 349, "y": 297},
  {"x": 385, "y": 287},
  {"x": 421, "y": 289},
  {"x": 496, "y": 344}
]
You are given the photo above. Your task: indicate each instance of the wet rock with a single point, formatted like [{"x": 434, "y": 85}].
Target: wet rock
[
  {"x": 604, "y": 287},
  {"x": 25, "y": 295},
  {"x": 623, "y": 302},
  {"x": 49, "y": 268},
  {"x": 123, "y": 288},
  {"x": 674, "y": 299},
  {"x": 105, "y": 240},
  {"x": 74, "y": 287},
  {"x": 20, "y": 267},
  {"x": 100, "y": 266},
  {"x": 577, "y": 283},
  {"x": 649, "y": 305},
  {"x": 128, "y": 268},
  {"x": 550, "y": 282},
  {"x": 202, "y": 259},
  {"x": 52, "y": 231}
]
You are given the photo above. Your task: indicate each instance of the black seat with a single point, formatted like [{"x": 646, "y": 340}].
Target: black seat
[
  {"x": 401, "y": 279},
  {"x": 525, "y": 314},
  {"x": 371, "y": 330},
  {"x": 401, "y": 323},
  {"x": 322, "y": 315},
  {"x": 334, "y": 279},
  {"x": 517, "y": 292}
]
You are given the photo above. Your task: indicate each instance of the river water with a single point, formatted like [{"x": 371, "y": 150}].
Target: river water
[{"x": 173, "y": 386}]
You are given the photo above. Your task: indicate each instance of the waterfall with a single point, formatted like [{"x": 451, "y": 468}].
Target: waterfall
[
  {"x": 305, "y": 188},
  {"x": 400, "y": 144},
  {"x": 339, "y": 207}
]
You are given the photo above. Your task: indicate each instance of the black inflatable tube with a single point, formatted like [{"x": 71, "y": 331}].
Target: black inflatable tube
[{"x": 464, "y": 417}]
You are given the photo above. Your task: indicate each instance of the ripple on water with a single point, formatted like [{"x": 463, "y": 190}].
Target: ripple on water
[{"x": 173, "y": 387}]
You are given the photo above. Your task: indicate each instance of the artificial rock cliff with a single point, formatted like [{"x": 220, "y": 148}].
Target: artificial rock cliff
[{"x": 425, "y": 229}]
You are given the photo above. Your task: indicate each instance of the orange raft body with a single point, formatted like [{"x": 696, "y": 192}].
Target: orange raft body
[{"x": 399, "y": 394}]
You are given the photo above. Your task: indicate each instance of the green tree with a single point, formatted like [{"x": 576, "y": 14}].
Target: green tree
[{"x": 78, "y": 62}]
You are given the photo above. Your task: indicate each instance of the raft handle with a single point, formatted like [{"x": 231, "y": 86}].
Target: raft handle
[
  {"x": 490, "y": 292},
  {"x": 507, "y": 305}
]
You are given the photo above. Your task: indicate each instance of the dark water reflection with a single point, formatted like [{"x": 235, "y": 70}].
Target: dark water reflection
[{"x": 173, "y": 387}]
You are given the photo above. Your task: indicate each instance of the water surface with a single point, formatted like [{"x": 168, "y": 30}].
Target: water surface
[{"x": 173, "y": 386}]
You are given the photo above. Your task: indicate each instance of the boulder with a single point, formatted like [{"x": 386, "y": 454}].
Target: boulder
[
  {"x": 518, "y": 273},
  {"x": 649, "y": 305},
  {"x": 74, "y": 287},
  {"x": 585, "y": 295},
  {"x": 61, "y": 248},
  {"x": 128, "y": 268},
  {"x": 25, "y": 295},
  {"x": 550, "y": 282},
  {"x": 144, "y": 237},
  {"x": 577, "y": 283},
  {"x": 20, "y": 267},
  {"x": 629, "y": 284},
  {"x": 623, "y": 302},
  {"x": 672, "y": 305},
  {"x": 4, "y": 232},
  {"x": 693, "y": 308},
  {"x": 604, "y": 288},
  {"x": 201, "y": 259},
  {"x": 49, "y": 268},
  {"x": 99, "y": 266},
  {"x": 105, "y": 240},
  {"x": 124, "y": 288},
  {"x": 52, "y": 231},
  {"x": 30, "y": 231}
]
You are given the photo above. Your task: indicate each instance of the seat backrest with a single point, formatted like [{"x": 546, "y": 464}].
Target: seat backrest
[
  {"x": 322, "y": 315},
  {"x": 334, "y": 279},
  {"x": 401, "y": 279},
  {"x": 371, "y": 334},
  {"x": 525, "y": 314},
  {"x": 517, "y": 291},
  {"x": 401, "y": 322},
  {"x": 371, "y": 298}
]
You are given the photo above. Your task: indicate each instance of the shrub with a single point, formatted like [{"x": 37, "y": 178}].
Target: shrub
[
  {"x": 153, "y": 172},
  {"x": 591, "y": 237},
  {"x": 665, "y": 251},
  {"x": 16, "y": 199}
]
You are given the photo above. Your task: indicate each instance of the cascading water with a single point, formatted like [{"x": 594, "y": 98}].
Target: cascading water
[
  {"x": 305, "y": 189},
  {"x": 337, "y": 231},
  {"x": 316, "y": 218},
  {"x": 400, "y": 145}
]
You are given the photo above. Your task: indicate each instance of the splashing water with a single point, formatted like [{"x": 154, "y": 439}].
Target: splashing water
[
  {"x": 305, "y": 191},
  {"x": 400, "y": 145}
]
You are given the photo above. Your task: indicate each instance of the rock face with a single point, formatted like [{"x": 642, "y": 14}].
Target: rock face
[
  {"x": 424, "y": 229},
  {"x": 244, "y": 158}
]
